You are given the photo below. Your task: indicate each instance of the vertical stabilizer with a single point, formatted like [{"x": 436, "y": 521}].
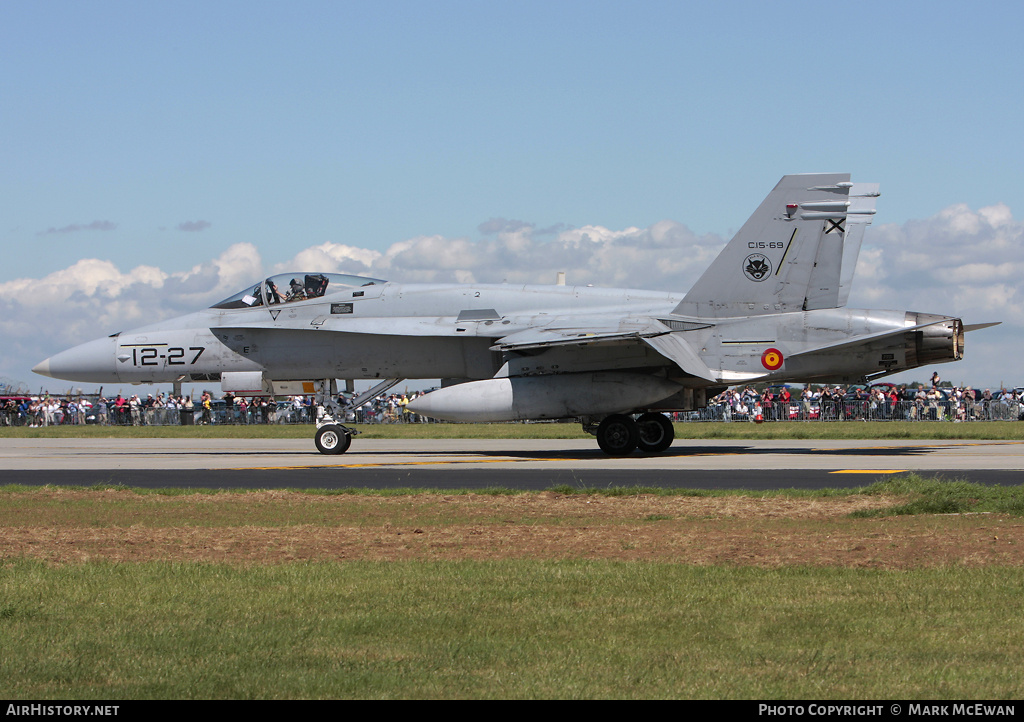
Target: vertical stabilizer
[
  {"x": 790, "y": 255},
  {"x": 862, "y": 210}
]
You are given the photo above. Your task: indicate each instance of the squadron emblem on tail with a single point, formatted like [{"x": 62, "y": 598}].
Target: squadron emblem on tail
[{"x": 756, "y": 267}]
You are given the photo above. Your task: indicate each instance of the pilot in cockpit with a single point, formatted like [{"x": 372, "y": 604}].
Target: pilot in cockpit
[{"x": 296, "y": 291}]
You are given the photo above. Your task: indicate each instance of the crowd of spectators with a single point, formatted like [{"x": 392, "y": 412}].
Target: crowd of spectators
[
  {"x": 47, "y": 410},
  {"x": 387, "y": 408},
  {"x": 881, "y": 401},
  {"x": 167, "y": 409}
]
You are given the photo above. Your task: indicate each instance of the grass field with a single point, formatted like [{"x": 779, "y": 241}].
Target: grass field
[
  {"x": 514, "y": 629},
  {"x": 114, "y": 593}
]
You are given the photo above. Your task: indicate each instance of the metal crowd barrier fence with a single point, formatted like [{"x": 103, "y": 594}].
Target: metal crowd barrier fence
[
  {"x": 828, "y": 411},
  {"x": 218, "y": 415},
  {"x": 862, "y": 410}
]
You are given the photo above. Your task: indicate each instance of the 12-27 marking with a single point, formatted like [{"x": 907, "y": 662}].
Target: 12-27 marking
[{"x": 175, "y": 356}]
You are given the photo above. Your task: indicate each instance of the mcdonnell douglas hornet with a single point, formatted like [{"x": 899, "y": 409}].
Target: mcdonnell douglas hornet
[{"x": 770, "y": 308}]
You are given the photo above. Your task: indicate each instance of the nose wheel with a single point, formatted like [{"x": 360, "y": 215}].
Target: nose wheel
[{"x": 333, "y": 439}]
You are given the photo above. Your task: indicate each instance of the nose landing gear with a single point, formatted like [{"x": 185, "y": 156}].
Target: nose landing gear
[{"x": 333, "y": 439}]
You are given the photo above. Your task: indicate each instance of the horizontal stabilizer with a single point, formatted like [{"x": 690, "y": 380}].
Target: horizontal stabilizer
[
  {"x": 979, "y": 326},
  {"x": 676, "y": 349}
]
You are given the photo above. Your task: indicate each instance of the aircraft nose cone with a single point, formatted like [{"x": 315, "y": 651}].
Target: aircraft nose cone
[
  {"x": 89, "y": 362},
  {"x": 42, "y": 368}
]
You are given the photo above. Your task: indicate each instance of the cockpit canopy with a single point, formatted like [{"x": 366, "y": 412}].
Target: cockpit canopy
[{"x": 292, "y": 288}]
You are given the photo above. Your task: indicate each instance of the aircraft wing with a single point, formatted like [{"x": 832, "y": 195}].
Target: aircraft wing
[
  {"x": 650, "y": 331},
  {"x": 562, "y": 332}
]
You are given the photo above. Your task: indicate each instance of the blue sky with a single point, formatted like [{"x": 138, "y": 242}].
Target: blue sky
[{"x": 164, "y": 134}]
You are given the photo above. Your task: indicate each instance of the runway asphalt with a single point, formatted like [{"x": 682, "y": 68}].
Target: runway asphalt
[{"x": 507, "y": 463}]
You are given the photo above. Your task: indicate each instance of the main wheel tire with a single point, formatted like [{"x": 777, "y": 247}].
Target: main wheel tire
[
  {"x": 656, "y": 432},
  {"x": 332, "y": 439},
  {"x": 618, "y": 435}
]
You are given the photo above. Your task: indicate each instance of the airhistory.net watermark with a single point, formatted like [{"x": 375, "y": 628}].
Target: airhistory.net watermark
[{"x": 62, "y": 710}]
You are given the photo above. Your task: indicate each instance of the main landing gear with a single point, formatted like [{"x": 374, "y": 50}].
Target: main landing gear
[{"x": 620, "y": 434}]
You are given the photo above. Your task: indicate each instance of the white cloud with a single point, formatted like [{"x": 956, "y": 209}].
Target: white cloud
[
  {"x": 962, "y": 263},
  {"x": 330, "y": 258},
  {"x": 997, "y": 215},
  {"x": 236, "y": 267},
  {"x": 959, "y": 262},
  {"x": 665, "y": 256}
]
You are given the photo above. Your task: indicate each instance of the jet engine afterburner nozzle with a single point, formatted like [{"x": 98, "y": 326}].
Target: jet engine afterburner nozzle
[{"x": 939, "y": 342}]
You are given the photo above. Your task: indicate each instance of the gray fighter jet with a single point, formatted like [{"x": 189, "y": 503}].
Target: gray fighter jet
[{"x": 770, "y": 308}]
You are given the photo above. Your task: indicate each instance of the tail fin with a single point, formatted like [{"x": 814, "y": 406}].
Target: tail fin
[
  {"x": 861, "y": 211},
  {"x": 792, "y": 253}
]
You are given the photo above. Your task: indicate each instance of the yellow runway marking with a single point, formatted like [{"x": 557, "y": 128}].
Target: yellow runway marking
[
  {"x": 386, "y": 463},
  {"x": 921, "y": 446},
  {"x": 868, "y": 471}
]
